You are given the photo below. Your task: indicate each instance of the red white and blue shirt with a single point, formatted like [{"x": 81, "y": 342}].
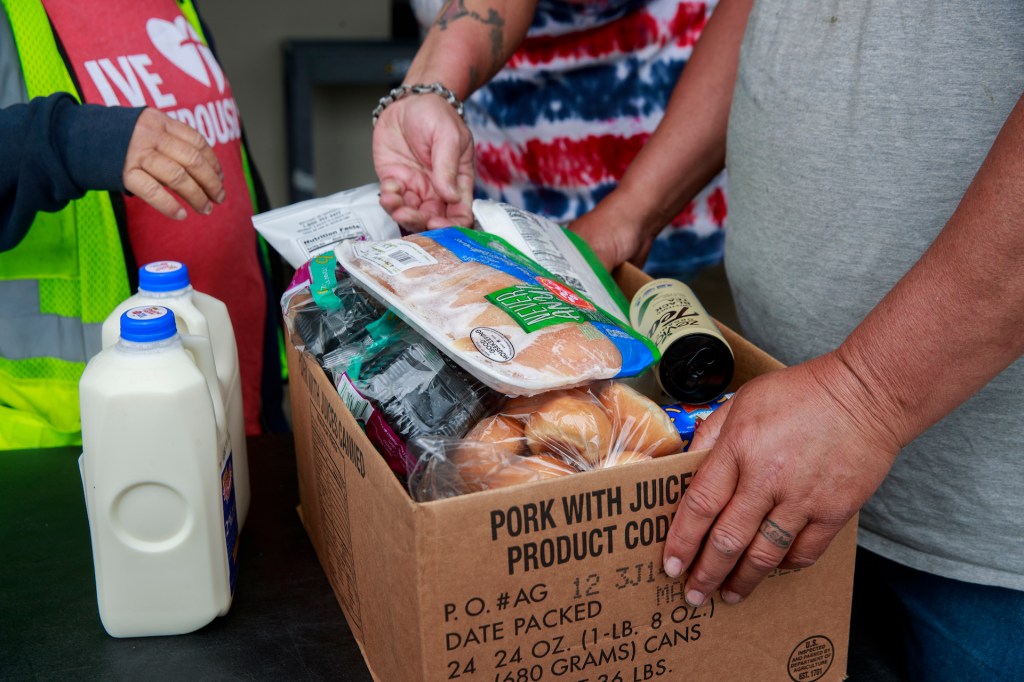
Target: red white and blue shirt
[{"x": 556, "y": 128}]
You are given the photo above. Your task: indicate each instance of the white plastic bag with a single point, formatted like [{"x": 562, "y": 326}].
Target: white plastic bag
[{"x": 301, "y": 231}]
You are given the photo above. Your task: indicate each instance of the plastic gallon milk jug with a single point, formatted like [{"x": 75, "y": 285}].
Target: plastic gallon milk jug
[
  {"x": 157, "y": 473},
  {"x": 166, "y": 283}
]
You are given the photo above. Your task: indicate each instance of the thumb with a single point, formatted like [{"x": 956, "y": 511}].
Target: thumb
[
  {"x": 708, "y": 430},
  {"x": 444, "y": 168}
]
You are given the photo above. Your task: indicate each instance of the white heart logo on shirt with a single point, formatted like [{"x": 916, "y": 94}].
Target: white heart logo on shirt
[{"x": 182, "y": 46}]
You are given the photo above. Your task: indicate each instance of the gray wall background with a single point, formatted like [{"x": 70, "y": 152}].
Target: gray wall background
[{"x": 249, "y": 35}]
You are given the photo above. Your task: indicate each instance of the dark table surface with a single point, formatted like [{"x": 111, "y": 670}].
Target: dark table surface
[{"x": 284, "y": 623}]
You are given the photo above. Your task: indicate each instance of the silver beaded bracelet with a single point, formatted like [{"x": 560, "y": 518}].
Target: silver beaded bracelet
[{"x": 419, "y": 89}]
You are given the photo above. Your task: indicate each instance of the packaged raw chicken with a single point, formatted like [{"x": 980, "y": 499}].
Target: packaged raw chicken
[{"x": 502, "y": 317}]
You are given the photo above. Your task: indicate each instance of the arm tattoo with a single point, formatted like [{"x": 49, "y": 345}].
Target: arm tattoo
[
  {"x": 456, "y": 9},
  {"x": 774, "y": 534}
]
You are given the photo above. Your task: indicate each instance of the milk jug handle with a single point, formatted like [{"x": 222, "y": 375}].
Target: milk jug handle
[{"x": 202, "y": 354}]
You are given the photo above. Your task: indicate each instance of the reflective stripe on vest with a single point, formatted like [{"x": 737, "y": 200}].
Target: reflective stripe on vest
[{"x": 70, "y": 266}]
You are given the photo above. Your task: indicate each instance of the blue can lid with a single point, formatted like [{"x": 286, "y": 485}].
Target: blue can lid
[
  {"x": 148, "y": 323},
  {"x": 163, "y": 275}
]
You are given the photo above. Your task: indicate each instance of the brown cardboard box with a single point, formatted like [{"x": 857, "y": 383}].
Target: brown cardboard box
[{"x": 556, "y": 580}]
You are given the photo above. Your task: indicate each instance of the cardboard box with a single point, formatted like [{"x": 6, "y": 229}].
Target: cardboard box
[{"x": 555, "y": 580}]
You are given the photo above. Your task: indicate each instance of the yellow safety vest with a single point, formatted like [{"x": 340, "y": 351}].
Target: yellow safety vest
[{"x": 60, "y": 283}]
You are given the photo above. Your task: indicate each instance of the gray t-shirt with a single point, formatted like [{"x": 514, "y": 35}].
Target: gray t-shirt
[{"x": 855, "y": 129}]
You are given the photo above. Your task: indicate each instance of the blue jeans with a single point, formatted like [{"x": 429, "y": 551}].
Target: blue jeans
[{"x": 952, "y": 631}]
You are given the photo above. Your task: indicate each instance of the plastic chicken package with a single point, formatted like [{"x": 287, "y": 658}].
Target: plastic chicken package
[{"x": 512, "y": 324}]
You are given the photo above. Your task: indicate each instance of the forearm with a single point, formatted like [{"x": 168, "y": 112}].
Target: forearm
[
  {"x": 469, "y": 42},
  {"x": 956, "y": 319},
  {"x": 54, "y": 151},
  {"x": 688, "y": 148}
]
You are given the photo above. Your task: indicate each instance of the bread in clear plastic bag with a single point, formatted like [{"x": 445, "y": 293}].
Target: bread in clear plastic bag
[{"x": 549, "y": 435}]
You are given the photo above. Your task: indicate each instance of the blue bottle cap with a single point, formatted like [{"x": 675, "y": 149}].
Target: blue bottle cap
[
  {"x": 147, "y": 324},
  {"x": 163, "y": 275}
]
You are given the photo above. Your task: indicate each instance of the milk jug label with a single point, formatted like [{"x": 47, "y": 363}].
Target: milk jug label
[
  {"x": 227, "y": 491},
  {"x": 150, "y": 312},
  {"x": 162, "y": 266}
]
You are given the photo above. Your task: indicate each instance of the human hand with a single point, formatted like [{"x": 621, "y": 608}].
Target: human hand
[
  {"x": 423, "y": 155},
  {"x": 167, "y": 154},
  {"x": 615, "y": 237},
  {"x": 794, "y": 455}
]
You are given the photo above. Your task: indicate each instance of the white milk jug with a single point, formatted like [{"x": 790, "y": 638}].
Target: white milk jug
[
  {"x": 157, "y": 472},
  {"x": 166, "y": 283}
]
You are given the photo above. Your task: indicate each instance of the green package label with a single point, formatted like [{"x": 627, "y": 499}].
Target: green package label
[
  {"x": 323, "y": 281},
  {"x": 535, "y": 307}
]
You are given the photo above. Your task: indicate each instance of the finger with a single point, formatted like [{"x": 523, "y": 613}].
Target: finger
[
  {"x": 195, "y": 163},
  {"x": 729, "y": 537},
  {"x": 451, "y": 215},
  {"x": 444, "y": 168},
  {"x": 436, "y": 212},
  {"x": 706, "y": 434},
  {"x": 410, "y": 218},
  {"x": 391, "y": 192},
  {"x": 142, "y": 185},
  {"x": 811, "y": 544},
  {"x": 412, "y": 199},
  {"x": 172, "y": 175},
  {"x": 706, "y": 496},
  {"x": 193, "y": 138},
  {"x": 461, "y": 212},
  {"x": 465, "y": 205},
  {"x": 766, "y": 551}
]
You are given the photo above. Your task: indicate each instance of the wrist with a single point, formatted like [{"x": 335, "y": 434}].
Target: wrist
[
  {"x": 853, "y": 385},
  {"x": 93, "y": 141},
  {"x": 636, "y": 209},
  {"x": 407, "y": 90}
]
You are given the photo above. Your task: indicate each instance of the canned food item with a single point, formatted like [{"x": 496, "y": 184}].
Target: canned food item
[
  {"x": 697, "y": 363},
  {"x": 686, "y": 418}
]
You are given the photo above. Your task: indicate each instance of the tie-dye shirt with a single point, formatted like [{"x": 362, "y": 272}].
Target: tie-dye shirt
[{"x": 556, "y": 128}]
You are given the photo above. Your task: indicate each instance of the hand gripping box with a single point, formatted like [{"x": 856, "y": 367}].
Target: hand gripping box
[{"x": 554, "y": 581}]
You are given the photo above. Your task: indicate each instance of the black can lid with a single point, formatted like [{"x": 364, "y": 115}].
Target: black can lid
[{"x": 696, "y": 368}]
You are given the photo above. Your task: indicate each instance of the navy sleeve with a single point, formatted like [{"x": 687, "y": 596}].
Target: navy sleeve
[{"x": 53, "y": 151}]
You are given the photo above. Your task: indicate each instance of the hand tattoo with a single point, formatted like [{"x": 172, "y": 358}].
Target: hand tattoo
[{"x": 773, "y": 533}]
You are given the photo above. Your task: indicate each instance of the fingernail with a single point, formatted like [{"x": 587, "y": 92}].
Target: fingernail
[
  {"x": 220, "y": 197},
  {"x": 180, "y": 214},
  {"x": 694, "y": 597},
  {"x": 207, "y": 209},
  {"x": 673, "y": 567},
  {"x": 731, "y": 597}
]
